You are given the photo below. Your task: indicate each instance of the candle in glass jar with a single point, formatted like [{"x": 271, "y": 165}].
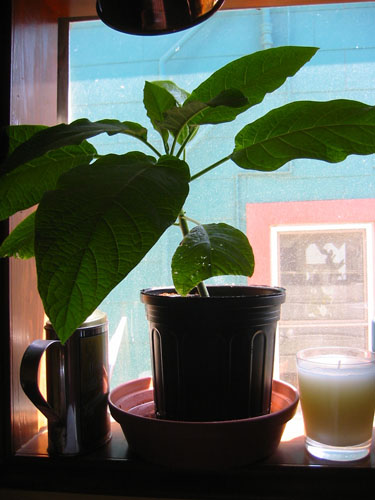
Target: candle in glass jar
[{"x": 337, "y": 393}]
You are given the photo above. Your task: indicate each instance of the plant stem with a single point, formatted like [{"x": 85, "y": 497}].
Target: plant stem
[
  {"x": 183, "y": 145},
  {"x": 174, "y": 144},
  {"x": 183, "y": 223},
  {"x": 201, "y": 287},
  {"x": 151, "y": 147},
  {"x": 211, "y": 167},
  {"x": 192, "y": 220}
]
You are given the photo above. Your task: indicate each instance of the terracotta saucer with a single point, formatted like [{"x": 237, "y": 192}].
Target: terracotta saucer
[{"x": 199, "y": 445}]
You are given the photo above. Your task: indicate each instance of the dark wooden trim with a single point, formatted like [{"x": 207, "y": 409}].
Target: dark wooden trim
[
  {"x": 243, "y": 4},
  {"x": 86, "y": 8},
  {"x": 5, "y": 395},
  {"x": 63, "y": 24},
  {"x": 63, "y": 70},
  {"x": 5, "y": 45},
  {"x": 33, "y": 98},
  {"x": 72, "y": 8}
]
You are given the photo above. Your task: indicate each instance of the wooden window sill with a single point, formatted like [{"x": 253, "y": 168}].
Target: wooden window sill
[
  {"x": 114, "y": 470},
  {"x": 291, "y": 451}
]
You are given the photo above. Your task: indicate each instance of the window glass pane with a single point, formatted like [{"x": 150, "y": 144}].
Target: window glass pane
[{"x": 107, "y": 73}]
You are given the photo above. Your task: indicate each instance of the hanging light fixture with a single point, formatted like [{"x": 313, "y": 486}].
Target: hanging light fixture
[{"x": 155, "y": 17}]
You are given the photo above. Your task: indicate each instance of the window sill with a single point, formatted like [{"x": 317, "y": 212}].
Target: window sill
[{"x": 113, "y": 470}]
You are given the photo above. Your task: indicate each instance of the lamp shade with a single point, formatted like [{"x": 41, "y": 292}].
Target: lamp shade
[{"x": 155, "y": 17}]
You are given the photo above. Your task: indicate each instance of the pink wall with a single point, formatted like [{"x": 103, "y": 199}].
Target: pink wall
[{"x": 260, "y": 217}]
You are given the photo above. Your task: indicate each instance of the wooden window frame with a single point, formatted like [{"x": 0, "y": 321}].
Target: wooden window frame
[{"x": 35, "y": 92}]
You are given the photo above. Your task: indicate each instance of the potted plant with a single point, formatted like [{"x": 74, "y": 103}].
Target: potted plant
[{"x": 98, "y": 216}]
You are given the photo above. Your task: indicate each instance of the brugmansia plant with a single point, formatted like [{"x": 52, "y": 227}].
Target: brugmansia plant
[{"x": 98, "y": 216}]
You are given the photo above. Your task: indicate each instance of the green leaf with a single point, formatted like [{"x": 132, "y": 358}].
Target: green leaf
[
  {"x": 61, "y": 135},
  {"x": 165, "y": 114},
  {"x": 177, "y": 118},
  {"x": 254, "y": 76},
  {"x": 327, "y": 131},
  {"x": 24, "y": 186},
  {"x": 211, "y": 250},
  {"x": 20, "y": 242},
  {"x": 157, "y": 100},
  {"x": 98, "y": 225},
  {"x": 21, "y": 133},
  {"x": 180, "y": 95}
]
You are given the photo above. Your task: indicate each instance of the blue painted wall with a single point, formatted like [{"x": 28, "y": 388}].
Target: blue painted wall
[{"x": 108, "y": 70}]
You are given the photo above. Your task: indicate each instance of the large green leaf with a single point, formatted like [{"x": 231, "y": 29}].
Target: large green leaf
[
  {"x": 24, "y": 186},
  {"x": 211, "y": 250},
  {"x": 98, "y": 225},
  {"x": 20, "y": 242},
  {"x": 327, "y": 131},
  {"x": 21, "y": 133},
  {"x": 61, "y": 135},
  {"x": 254, "y": 75}
]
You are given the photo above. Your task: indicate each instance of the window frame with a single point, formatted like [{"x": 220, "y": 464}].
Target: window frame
[
  {"x": 35, "y": 94},
  {"x": 366, "y": 322}
]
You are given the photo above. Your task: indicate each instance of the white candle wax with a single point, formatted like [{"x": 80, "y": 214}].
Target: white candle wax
[{"x": 337, "y": 395}]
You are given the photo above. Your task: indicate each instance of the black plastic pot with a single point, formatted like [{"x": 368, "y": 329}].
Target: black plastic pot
[{"x": 212, "y": 357}]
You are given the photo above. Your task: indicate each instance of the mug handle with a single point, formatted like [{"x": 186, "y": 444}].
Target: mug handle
[{"x": 29, "y": 377}]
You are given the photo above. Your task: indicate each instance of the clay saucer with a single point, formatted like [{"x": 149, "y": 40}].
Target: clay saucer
[{"x": 199, "y": 445}]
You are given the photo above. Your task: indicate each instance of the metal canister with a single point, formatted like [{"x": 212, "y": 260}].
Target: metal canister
[{"x": 77, "y": 386}]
